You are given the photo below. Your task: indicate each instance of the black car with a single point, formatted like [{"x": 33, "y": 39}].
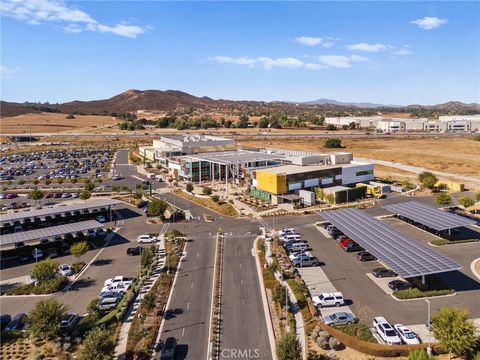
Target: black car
[
  {"x": 352, "y": 247},
  {"x": 134, "y": 250},
  {"x": 365, "y": 256},
  {"x": 399, "y": 285},
  {"x": 4, "y": 320},
  {"x": 17, "y": 323},
  {"x": 382, "y": 272},
  {"x": 168, "y": 350}
]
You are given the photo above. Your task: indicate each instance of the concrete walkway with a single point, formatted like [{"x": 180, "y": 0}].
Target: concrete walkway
[{"x": 121, "y": 346}]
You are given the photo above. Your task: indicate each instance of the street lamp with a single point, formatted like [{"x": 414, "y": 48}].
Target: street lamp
[{"x": 429, "y": 348}]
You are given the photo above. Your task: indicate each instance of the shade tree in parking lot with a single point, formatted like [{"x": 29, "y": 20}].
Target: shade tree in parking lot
[
  {"x": 89, "y": 185},
  {"x": 454, "y": 331},
  {"x": 85, "y": 195},
  {"x": 79, "y": 249},
  {"x": 288, "y": 347},
  {"x": 44, "y": 270},
  {"x": 443, "y": 199},
  {"x": 427, "y": 179},
  {"x": 44, "y": 319},
  {"x": 157, "y": 207},
  {"x": 35, "y": 194},
  {"x": 98, "y": 345}
]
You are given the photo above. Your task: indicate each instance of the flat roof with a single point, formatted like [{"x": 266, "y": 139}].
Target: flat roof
[
  {"x": 399, "y": 252},
  {"x": 429, "y": 216},
  {"x": 233, "y": 157},
  {"x": 298, "y": 169},
  {"x": 92, "y": 204},
  {"x": 52, "y": 231}
]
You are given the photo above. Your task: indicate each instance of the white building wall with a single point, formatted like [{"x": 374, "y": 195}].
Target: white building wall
[
  {"x": 349, "y": 174},
  {"x": 459, "y": 118},
  {"x": 361, "y": 121},
  {"x": 391, "y": 126}
]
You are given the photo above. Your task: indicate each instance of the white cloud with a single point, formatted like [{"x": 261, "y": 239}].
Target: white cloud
[
  {"x": 429, "y": 23},
  {"x": 325, "y": 42},
  {"x": 340, "y": 61},
  {"x": 358, "y": 58},
  {"x": 368, "y": 47},
  {"x": 313, "y": 66},
  {"x": 288, "y": 62},
  {"x": 6, "y": 72},
  {"x": 244, "y": 60},
  {"x": 36, "y": 12},
  {"x": 402, "y": 52},
  {"x": 308, "y": 41}
]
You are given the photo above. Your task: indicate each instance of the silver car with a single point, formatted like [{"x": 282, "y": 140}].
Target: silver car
[{"x": 340, "y": 318}]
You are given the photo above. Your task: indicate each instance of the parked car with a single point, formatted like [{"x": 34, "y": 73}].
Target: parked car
[
  {"x": 296, "y": 247},
  {"x": 304, "y": 261},
  {"x": 91, "y": 233},
  {"x": 121, "y": 287},
  {"x": 383, "y": 272},
  {"x": 386, "y": 332},
  {"x": 406, "y": 335},
  {"x": 108, "y": 304},
  {"x": 328, "y": 299},
  {"x": 399, "y": 285},
  {"x": 146, "y": 239},
  {"x": 100, "y": 232},
  {"x": 351, "y": 246},
  {"x": 64, "y": 270},
  {"x": 37, "y": 254},
  {"x": 4, "y": 320},
  {"x": 168, "y": 350},
  {"x": 340, "y": 318},
  {"x": 17, "y": 323},
  {"x": 101, "y": 218},
  {"x": 52, "y": 253},
  {"x": 117, "y": 279},
  {"x": 69, "y": 320},
  {"x": 109, "y": 294},
  {"x": 365, "y": 256},
  {"x": 134, "y": 250}
]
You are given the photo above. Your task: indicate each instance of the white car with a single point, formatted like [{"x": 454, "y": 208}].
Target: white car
[
  {"x": 386, "y": 331},
  {"x": 116, "y": 279},
  {"x": 116, "y": 177},
  {"x": 65, "y": 270},
  {"x": 146, "y": 239},
  {"x": 328, "y": 299},
  {"x": 407, "y": 335},
  {"x": 37, "y": 253},
  {"x": 117, "y": 287},
  {"x": 289, "y": 231},
  {"x": 299, "y": 255}
]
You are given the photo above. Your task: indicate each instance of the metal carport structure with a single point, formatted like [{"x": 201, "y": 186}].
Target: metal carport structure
[
  {"x": 405, "y": 256},
  {"x": 52, "y": 211},
  {"x": 428, "y": 216},
  {"x": 33, "y": 235}
]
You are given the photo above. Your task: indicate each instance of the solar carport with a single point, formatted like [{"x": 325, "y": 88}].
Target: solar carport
[
  {"x": 428, "y": 216},
  {"x": 50, "y": 232},
  {"x": 399, "y": 252},
  {"x": 58, "y": 210}
]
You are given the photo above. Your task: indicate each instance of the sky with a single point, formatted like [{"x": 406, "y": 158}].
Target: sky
[{"x": 381, "y": 51}]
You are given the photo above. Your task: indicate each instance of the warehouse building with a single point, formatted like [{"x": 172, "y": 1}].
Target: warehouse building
[{"x": 359, "y": 121}]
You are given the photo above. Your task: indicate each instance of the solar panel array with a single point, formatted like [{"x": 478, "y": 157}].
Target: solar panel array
[
  {"x": 402, "y": 254},
  {"x": 49, "y": 232},
  {"x": 97, "y": 203},
  {"x": 428, "y": 215}
]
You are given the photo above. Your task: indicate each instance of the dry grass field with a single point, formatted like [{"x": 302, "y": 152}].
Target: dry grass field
[
  {"x": 52, "y": 123},
  {"x": 459, "y": 156}
]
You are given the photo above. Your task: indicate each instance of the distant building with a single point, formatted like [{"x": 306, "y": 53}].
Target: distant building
[{"x": 360, "y": 121}]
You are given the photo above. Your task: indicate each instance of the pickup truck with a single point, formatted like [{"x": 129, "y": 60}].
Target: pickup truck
[{"x": 117, "y": 279}]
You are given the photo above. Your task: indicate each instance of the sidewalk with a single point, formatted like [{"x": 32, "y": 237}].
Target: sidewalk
[{"x": 121, "y": 346}]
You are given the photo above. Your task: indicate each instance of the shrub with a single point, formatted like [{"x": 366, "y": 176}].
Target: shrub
[
  {"x": 45, "y": 318},
  {"x": 416, "y": 293},
  {"x": 359, "y": 331},
  {"x": 288, "y": 347},
  {"x": 466, "y": 201},
  {"x": 476, "y": 137},
  {"x": 215, "y": 198},
  {"x": 333, "y": 143},
  {"x": 443, "y": 199},
  {"x": 420, "y": 355},
  {"x": 427, "y": 179},
  {"x": 189, "y": 187},
  {"x": 207, "y": 191}
]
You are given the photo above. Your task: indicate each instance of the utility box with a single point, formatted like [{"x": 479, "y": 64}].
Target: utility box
[{"x": 307, "y": 196}]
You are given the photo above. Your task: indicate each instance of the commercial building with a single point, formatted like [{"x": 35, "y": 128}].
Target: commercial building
[
  {"x": 178, "y": 145},
  {"x": 391, "y": 125},
  {"x": 359, "y": 121},
  {"x": 276, "y": 182}
]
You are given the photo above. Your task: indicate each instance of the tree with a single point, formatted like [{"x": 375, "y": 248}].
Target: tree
[
  {"x": 92, "y": 308},
  {"x": 263, "y": 123},
  {"x": 454, "y": 331},
  {"x": 79, "y": 249},
  {"x": 45, "y": 319},
  {"x": 157, "y": 207},
  {"x": 44, "y": 270},
  {"x": 98, "y": 345},
  {"x": 288, "y": 347},
  {"x": 331, "y": 127},
  {"x": 189, "y": 187},
  {"x": 333, "y": 143},
  {"x": 207, "y": 191},
  {"x": 443, "y": 199},
  {"x": 427, "y": 179},
  {"x": 466, "y": 201},
  {"x": 85, "y": 195},
  {"x": 215, "y": 198},
  {"x": 35, "y": 194}
]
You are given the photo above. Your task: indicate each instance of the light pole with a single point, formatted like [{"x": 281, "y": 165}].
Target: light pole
[{"x": 429, "y": 348}]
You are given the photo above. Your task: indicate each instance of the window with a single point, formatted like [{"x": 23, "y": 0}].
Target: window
[{"x": 365, "y": 172}]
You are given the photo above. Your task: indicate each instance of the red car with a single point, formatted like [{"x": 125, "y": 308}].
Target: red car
[
  {"x": 344, "y": 242},
  {"x": 11, "y": 196},
  {"x": 47, "y": 195}
]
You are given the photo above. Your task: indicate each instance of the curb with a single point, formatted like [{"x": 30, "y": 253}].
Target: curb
[
  {"x": 424, "y": 298},
  {"x": 472, "y": 268}
]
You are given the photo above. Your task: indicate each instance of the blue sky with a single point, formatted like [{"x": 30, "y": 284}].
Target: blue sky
[{"x": 384, "y": 52}]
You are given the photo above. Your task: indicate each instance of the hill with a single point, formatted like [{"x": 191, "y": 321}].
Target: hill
[{"x": 170, "y": 100}]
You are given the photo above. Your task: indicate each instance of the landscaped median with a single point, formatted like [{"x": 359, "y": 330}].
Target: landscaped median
[
  {"x": 216, "y": 309},
  {"x": 221, "y": 207},
  {"x": 433, "y": 287},
  {"x": 440, "y": 242}
]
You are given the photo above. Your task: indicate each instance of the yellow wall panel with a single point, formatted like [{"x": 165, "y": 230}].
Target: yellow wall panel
[{"x": 269, "y": 182}]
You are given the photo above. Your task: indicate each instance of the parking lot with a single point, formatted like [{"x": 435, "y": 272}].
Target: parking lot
[
  {"x": 55, "y": 164},
  {"x": 349, "y": 276}
]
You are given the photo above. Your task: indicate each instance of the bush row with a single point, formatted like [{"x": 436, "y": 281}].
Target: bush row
[
  {"x": 416, "y": 293},
  {"x": 45, "y": 287}
]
